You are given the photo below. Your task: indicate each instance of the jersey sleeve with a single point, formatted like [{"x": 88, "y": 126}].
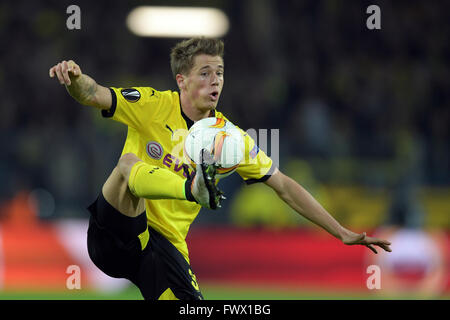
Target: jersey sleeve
[
  {"x": 256, "y": 165},
  {"x": 136, "y": 107}
]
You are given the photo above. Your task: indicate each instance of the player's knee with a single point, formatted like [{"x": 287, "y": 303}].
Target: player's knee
[{"x": 126, "y": 162}]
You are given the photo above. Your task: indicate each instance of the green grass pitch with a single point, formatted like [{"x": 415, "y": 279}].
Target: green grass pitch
[{"x": 210, "y": 292}]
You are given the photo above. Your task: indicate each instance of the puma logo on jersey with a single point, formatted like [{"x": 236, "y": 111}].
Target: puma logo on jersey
[{"x": 167, "y": 126}]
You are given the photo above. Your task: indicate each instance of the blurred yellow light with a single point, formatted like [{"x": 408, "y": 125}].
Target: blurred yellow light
[{"x": 177, "y": 22}]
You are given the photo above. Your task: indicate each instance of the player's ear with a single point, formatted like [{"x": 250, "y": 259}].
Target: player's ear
[{"x": 180, "y": 81}]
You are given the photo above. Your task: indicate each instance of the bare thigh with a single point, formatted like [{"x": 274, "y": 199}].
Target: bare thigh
[{"x": 116, "y": 192}]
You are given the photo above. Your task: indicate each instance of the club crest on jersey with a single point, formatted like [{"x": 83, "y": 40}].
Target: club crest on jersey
[
  {"x": 154, "y": 150},
  {"x": 131, "y": 95}
]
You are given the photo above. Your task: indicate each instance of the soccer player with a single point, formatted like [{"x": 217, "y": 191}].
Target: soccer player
[{"x": 140, "y": 220}]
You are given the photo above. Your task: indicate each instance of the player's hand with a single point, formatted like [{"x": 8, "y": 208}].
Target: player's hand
[
  {"x": 66, "y": 71},
  {"x": 352, "y": 238}
]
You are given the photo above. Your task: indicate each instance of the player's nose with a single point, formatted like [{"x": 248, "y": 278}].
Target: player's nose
[{"x": 215, "y": 80}]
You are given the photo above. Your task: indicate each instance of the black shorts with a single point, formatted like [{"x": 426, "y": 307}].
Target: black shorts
[{"x": 118, "y": 246}]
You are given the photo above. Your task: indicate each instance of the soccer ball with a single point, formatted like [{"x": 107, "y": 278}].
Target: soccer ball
[{"x": 221, "y": 138}]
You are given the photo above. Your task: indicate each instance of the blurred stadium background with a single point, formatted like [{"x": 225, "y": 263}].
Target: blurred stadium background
[{"x": 364, "y": 126}]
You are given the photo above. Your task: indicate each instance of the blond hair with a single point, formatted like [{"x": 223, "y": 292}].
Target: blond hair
[{"x": 183, "y": 54}]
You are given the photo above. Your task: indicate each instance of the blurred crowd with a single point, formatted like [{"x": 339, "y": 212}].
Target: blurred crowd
[{"x": 336, "y": 90}]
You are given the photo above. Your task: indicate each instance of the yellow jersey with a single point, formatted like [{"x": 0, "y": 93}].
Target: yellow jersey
[{"x": 157, "y": 127}]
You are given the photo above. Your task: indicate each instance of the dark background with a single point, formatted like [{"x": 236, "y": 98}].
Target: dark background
[{"x": 376, "y": 101}]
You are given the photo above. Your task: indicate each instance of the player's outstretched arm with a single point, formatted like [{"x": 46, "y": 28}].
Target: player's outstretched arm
[
  {"x": 304, "y": 203},
  {"x": 80, "y": 86}
]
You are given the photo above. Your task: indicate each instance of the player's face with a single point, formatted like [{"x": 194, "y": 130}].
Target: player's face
[{"x": 205, "y": 82}]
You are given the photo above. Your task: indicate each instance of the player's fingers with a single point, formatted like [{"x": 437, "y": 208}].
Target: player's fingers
[
  {"x": 59, "y": 73},
  {"x": 65, "y": 72},
  {"x": 385, "y": 247},
  {"x": 372, "y": 248},
  {"x": 51, "y": 72},
  {"x": 70, "y": 66},
  {"x": 74, "y": 68},
  {"x": 378, "y": 241}
]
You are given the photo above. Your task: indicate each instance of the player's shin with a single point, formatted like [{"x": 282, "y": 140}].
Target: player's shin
[{"x": 152, "y": 182}]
